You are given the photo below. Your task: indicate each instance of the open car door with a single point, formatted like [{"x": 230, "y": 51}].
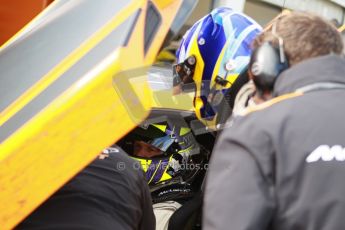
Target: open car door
[{"x": 67, "y": 91}]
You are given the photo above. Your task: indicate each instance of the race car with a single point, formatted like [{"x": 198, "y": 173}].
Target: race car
[{"x": 73, "y": 82}]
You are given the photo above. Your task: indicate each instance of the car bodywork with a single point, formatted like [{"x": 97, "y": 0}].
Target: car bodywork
[{"x": 66, "y": 93}]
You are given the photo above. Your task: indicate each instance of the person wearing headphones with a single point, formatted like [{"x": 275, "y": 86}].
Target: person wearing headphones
[{"x": 280, "y": 165}]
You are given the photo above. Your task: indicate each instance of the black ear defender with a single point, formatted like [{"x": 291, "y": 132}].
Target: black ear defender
[{"x": 267, "y": 62}]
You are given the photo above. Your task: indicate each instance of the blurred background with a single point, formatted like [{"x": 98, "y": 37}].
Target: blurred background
[
  {"x": 264, "y": 10},
  {"x": 14, "y": 14}
]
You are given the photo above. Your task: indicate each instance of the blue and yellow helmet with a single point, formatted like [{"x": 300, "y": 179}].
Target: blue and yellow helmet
[{"x": 213, "y": 52}]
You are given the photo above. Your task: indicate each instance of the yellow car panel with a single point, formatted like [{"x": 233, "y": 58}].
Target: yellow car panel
[{"x": 60, "y": 121}]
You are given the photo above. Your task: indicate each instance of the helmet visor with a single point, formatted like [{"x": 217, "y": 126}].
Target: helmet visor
[{"x": 156, "y": 147}]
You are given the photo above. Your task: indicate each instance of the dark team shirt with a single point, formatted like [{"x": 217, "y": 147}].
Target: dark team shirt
[
  {"x": 110, "y": 193},
  {"x": 282, "y": 166}
]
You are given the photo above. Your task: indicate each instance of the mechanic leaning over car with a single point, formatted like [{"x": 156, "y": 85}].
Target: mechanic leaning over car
[
  {"x": 281, "y": 164},
  {"x": 212, "y": 55}
]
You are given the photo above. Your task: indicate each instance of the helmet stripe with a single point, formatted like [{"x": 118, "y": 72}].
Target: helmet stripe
[{"x": 160, "y": 170}]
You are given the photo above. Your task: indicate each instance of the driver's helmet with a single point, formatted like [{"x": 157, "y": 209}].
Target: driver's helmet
[
  {"x": 169, "y": 156},
  {"x": 164, "y": 151},
  {"x": 212, "y": 54}
]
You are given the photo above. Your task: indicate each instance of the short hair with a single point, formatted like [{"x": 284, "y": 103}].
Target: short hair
[{"x": 305, "y": 36}]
